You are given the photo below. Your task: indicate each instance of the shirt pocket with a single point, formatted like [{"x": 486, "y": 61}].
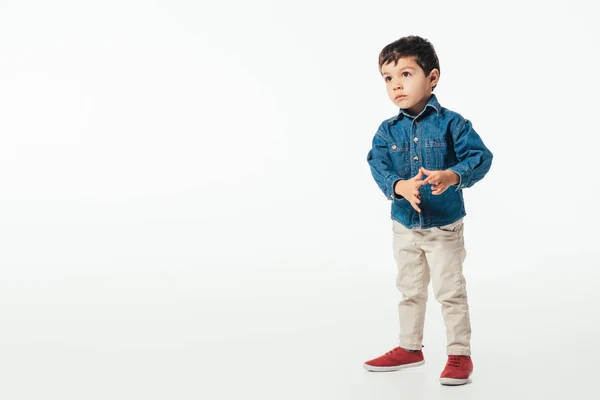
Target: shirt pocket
[
  {"x": 400, "y": 153},
  {"x": 436, "y": 154}
]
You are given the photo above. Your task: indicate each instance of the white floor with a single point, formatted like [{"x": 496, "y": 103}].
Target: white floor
[{"x": 271, "y": 333}]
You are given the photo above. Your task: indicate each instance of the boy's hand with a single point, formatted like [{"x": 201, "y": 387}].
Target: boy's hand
[
  {"x": 409, "y": 189},
  {"x": 440, "y": 180}
]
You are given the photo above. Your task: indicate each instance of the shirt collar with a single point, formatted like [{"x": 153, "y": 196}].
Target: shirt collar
[{"x": 433, "y": 103}]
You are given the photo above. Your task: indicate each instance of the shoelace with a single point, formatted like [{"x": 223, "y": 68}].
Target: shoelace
[
  {"x": 392, "y": 351},
  {"x": 455, "y": 361}
]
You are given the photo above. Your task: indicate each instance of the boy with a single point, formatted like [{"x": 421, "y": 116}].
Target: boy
[{"x": 422, "y": 159}]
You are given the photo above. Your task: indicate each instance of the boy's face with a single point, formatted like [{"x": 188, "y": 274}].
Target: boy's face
[{"x": 407, "y": 85}]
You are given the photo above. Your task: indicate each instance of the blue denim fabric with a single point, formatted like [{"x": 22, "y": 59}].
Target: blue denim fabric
[{"x": 436, "y": 139}]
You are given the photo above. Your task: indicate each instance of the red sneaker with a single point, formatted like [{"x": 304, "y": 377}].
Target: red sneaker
[
  {"x": 457, "y": 371},
  {"x": 394, "y": 360}
]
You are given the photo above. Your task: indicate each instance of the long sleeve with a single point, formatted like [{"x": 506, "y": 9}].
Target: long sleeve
[
  {"x": 474, "y": 158},
  {"x": 382, "y": 167}
]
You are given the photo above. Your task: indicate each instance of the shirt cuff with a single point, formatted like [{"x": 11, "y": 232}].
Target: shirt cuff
[{"x": 393, "y": 194}]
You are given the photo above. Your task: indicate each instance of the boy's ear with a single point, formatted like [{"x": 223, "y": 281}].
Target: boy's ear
[{"x": 434, "y": 76}]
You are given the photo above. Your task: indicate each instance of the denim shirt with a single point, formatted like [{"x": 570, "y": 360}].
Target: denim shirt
[{"x": 436, "y": 139}]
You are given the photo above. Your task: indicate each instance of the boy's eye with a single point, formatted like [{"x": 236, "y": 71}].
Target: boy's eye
[{"x": 404, "y": 74}]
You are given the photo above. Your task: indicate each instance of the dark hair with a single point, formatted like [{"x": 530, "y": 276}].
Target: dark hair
[{"x": 409, "y": 46}]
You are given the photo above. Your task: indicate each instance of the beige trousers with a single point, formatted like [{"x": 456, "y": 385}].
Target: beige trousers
[{"x": 437, "y": 254}]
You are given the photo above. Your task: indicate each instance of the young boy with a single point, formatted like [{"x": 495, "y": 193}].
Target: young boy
[{"x": 422, "y": 159}]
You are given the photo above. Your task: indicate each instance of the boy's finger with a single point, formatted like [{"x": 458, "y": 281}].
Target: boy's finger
[
  {"x": 416, "y": 207},
  {"x": 428, "y": 180},
  {"x": 432, "y": 178}
]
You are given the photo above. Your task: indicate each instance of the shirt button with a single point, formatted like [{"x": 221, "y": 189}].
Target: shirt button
[
  {"x": 416, "y": 122},
  {"x": 416, "y": 158},
  {"x": 393, "y": 147},
  {"x": 416, "y": 139}
]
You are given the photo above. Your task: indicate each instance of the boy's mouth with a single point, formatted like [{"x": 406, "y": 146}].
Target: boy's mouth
[{"x": 400, "y": 96}]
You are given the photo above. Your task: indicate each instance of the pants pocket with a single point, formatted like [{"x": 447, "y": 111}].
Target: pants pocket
[{"x": 453, "y": 227}]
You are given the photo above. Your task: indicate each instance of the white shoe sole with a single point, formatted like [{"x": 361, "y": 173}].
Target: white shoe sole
[
  {"x": 394, "y": 368},
  {"x": 453, "y": 381}
]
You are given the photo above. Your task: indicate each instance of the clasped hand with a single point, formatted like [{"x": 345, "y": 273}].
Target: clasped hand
[{"x": 439, "y": 180}]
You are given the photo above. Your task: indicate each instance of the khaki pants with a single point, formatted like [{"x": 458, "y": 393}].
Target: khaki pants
[{"x": 436, "y": 253}]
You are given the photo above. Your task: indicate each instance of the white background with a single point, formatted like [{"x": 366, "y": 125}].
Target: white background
[{"x": 186, "y": 210}]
